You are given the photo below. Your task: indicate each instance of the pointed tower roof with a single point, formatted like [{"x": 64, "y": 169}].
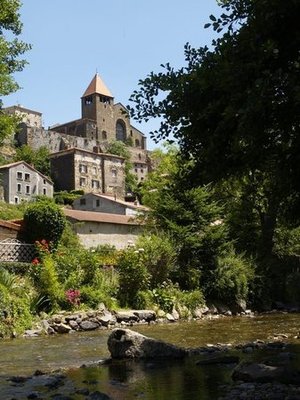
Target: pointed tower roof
[{"x": 97, "y": 86}]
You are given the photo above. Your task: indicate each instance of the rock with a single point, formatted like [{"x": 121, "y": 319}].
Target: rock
[
  {"x": 32, "y": 332},
  {"x": 73, "y": 324},
  {"x": 126, "y": 316},
  {"x": 47, "y": 328},
  {"x": 72, "y": 317},
  {"x": 106, "y": 319},
  {"x": 124, "y": 343},
  {"x": 147, "y": 315},
  {"x": 175, "y": 314},
  {"x": 89, "y": 325},
  {"x": 170, "y": 317},
  {"x": 61, "y": 328},
  {"x": 257, "y": 373},
  {"x": 219, "y": 360},
  {"x": 99, "y": 396}
]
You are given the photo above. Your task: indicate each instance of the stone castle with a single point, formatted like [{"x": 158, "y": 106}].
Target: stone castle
[{"x": 102, "y": 122}]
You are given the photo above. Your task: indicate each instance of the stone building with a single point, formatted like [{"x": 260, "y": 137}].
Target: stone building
[
  {"x": 78, "y": 169},
  {"x": 96, "y": 228},
  {"x": 102, "y": 122},
  {"x": 21, "y": 182},
  {"x": 108, "y": 204}
]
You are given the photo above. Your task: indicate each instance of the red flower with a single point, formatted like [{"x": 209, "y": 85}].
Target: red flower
[{"x": 35, "y": 261}]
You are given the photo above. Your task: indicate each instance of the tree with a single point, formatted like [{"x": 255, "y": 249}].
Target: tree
[
  {"x": 44, "y": 220},
  {"x": 11, "y": 48},
  {"x": 38, "y": 158},
  {"x": 234, "y": 109}
]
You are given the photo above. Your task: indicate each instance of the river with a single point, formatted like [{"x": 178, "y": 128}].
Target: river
[{"x": 130, "y": 380}]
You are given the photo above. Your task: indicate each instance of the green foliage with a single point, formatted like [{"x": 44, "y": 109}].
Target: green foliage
[
  {"x": 231, "y": 280},
  {"x": 15, "y": 314},
  {"x": 44, "y": 220},
  {"x": 133, "y": 277},
  {"x": 287, "y": 241},
  {"x": 38, "y": 158},
  {"x": 11, "y": 48},
  {"x": 158, "y": 256},
  {"x": 12, "y": 211},
  {"x": 292, "y": 287},
  {"x": 67, "y": 198},
  {"x": 233, "y": 108},
  {"x": 48, "y": 282}
]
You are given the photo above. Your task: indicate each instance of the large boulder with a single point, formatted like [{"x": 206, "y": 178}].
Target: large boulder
[
  {"x": 253, "y": 372},
  {"x": 125, "y": 343}
]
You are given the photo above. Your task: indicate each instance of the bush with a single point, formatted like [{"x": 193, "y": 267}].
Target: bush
[
  {"x": 231, "y": 279},
  {"x": 48, "y": 284},
  {"x": 44, "y": 220},
  {"x": 159, "y": 257},
  {"x": 133, "y": 277},
  {"x": 15, "y": 314}
]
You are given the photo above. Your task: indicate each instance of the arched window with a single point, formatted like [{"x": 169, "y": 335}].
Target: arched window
[
  {"x": 137, "y": 143},
  {"x": 104, "y": 135},
  {"x": 120, "y": 131}
]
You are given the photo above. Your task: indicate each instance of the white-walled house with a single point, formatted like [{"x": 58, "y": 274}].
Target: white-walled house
[
  {"x": 21, "y": 182},
  {"x": 107, "y": 204},
  {"x": 95, "y": 228}
]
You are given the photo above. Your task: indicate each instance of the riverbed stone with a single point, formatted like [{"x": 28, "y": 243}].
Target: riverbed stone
[
  {"x": 125, "y": 316},
  {"x": 106, "y": 319},
  {"x": 147, "y": 315},
  {"x": 125, "y": 343},
  {"x": 89, "y": 325},
  {"x": 175, "y": 314},
  {"x": 61, "y": 328},
  {"x": 170, "y": 317},
  {"x": 74, "y": 325},
  {"x": 256, "y": 372}
]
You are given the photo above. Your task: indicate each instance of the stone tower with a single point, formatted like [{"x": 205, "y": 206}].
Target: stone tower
[{"x": 97, "y": 104}]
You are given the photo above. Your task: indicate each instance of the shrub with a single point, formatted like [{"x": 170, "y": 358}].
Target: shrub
[
  {"x": 15, "y": 314},
  {"x": 44, "y": 220},
  {"x": 48, "y": 284},
  {"x": 159, "y": 257},
  {"x": 133, "y": 277},
  {"x": 231, "y": 278}
]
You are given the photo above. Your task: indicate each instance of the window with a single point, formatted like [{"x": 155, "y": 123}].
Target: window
[
  {"x": 140, "y": 156},
  {"x": 137, "y": 143},
  {"x": 19, "y": 188},
  {"x": 16, "y": 200},
  {"x": 104, "y": 135},
  {"x": 95, "y": 184},
  {"x": 44, "y": 191},
  {"x": 98, "y": 203},
  {"x": 136, "y": 170},
  {"x": 83, "y": 168},
  {"x": 82, "y": 181},
  {"x": 120, "y": 131},
  {"x": 44, "y": 181},
  {"x": 27, "y": 189},
  {"x": 142, "y": 171},
  {"x": 94, "y": 170},
  {"x": 88, "y": 100},
  {"x": 27, "y": 177},
  {"x": 82, "y": 202},
  {"x": 114, "y": 173},
  {"x": 20, "y": 175}
]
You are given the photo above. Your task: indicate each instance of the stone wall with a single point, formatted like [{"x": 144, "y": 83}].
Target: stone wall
[{"x": 92, "y": 234}]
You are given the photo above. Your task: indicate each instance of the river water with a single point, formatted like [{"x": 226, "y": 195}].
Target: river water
[{"x": 130, "y": 380}]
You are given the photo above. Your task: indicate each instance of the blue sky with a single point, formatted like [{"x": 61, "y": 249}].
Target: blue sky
[{"x": 122, "y": 40}]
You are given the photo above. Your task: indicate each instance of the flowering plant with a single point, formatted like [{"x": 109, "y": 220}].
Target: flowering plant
[{"x": 73, "y": 297}]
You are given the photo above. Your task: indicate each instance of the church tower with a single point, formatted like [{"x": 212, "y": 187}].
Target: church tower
[{"x": 97, "y": 104}]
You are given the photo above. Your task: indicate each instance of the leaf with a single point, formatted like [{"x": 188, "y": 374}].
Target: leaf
[
  {"x": 212, "y": 18},
  {"x": 207, "y": 26}
]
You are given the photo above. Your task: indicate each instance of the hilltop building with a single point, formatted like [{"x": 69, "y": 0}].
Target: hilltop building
[{"x": 102, "y": 122}]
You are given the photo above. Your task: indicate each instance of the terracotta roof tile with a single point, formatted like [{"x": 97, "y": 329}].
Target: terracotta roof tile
[
  {"x": 97, "y": 86},
  {"x": 92, "y": 216}
]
